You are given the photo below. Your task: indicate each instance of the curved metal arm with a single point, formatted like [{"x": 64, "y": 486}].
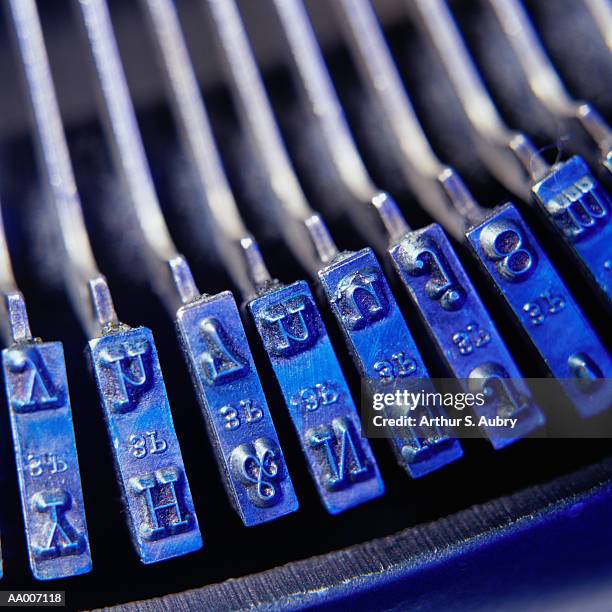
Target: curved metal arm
[
  {"x": 169, "y": 272},
  {"x": 601, "y": 10},
  {"x": 543, "y": 79},
  {"x": 196, "y": 134},
  {"x": 303, "y": 230},
  {"x": 322, "y": 102},
  {"x": 14, "y": 326},
  {"x": 422, "y": 169},
  {"x": 87, "y": 287},
  {"x": 477, "y": 104}
]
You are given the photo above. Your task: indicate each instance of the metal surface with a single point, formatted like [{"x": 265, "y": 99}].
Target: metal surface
[
  {"x": 162, "y": 518},
  {"x": 507, "y": 154},
  {"x": 317, "y": 397},
  {"x": 236, "y": 411},
  {"x": 286, "y": 317},
  {"x": 487, "y": 122},
  {"x": 580, "y": 208},
  {"x": 602, "y": 16},
  {"x": 130, "y": 159},
  {"x": 422, "y": 169},
  {"x": 91, "y": 298},
  {"x": 376, "y": 334},
  {"x": 543, "y": 307},
  {"x": 440, "y": 301},
  {"x": 544, "y": 82},
  {"x": 310, "y": 558},
  {"x": 211, "y": 334},
  {"x": 43, "y": 436},
  {"x": 46, "y": 457},
  {"x": 183, "y": 95},
  {"x": 87, "y": 287},
  {"x": 290, "y": 209},
  {"x": 384, "y": 352},
  {"x": 463, "y": 331}
]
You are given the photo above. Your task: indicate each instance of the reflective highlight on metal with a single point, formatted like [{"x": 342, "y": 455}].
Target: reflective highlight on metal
[
  {"x": 147, "y": 455},
  {"x": 399, "y": 123},
  {"x": 35, "y": 371},
  {"x": 543, "y": 307},
  {"x": 383, "y": 350},
  {"x": 237, "y": 415},
  {"x": 317, "y": 397},
  {"x": 574, "y": 200},
  {"x": 462, "y": 329}
]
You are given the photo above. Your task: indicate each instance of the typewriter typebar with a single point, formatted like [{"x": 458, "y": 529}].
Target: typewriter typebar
[
  {"x": 574, "y": 200},
  {"x": 463, "y": 330},
  {"x": 455, "y": 318},
  {"x": 283, "y": 219},
  {"x": 377, "y": 337},
  {"x": 253, "y": 467},
  {"x": 543, "y": 307},
  {"x": 384, "y": 351},
  {"x": 146, "y": 449},
  {"x": 131, "y": 390},
  {"x": 317, "y": 397},
  {"x": 45, "y": 451},
  {"x": 50, "y": 483},
  {"x": 235, "y": 409}
]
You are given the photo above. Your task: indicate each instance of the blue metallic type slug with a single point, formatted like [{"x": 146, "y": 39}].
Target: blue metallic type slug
[
  {"x": 235, "y": 409},
  {"x": 543, "y": 307},
  {"x": 580, "y": 208},
  {"x": 46, "y": 457},
  {"x": 383, "y": 350},
  {"x": 463, "y": 331},
  {"x": 317, "y": 397},
  {"x": 148, "y": 459}
]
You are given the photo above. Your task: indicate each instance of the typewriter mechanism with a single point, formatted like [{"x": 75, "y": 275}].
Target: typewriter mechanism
[{"x": 306, "y": 304}]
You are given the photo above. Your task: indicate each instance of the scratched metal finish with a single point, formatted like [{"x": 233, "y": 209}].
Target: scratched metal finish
[
  {"x": 580, "y": 208},
  {"x": 463, "y": 331},
  {"x": 383, "y": 350},
  {"x": 161, "y": 515},
  {"x": 46, "y": 457},
  {"x": 236, "y": 413},
  {"x": 318, "y": 399},
  {"x": 543, "y": 306}
]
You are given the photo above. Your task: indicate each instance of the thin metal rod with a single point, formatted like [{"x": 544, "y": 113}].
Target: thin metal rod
[
  {"x": 601, "y": 10},
  {"x": 322, "y": 102},
  {"x": 372, "y": 57},
  {"x": 475, "y": 99},
  {"x": 130, "y": 159},
  {"x": 599, "y": 131},
  {"x": 543, "y": 79},
  {"x": 300, "y": 225},
  {"x": 379, "y": 73},
  {"x": 196, "y": 134},
  {"x": 86, "y": 285},
  {"x": 14, "y": 326}
]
